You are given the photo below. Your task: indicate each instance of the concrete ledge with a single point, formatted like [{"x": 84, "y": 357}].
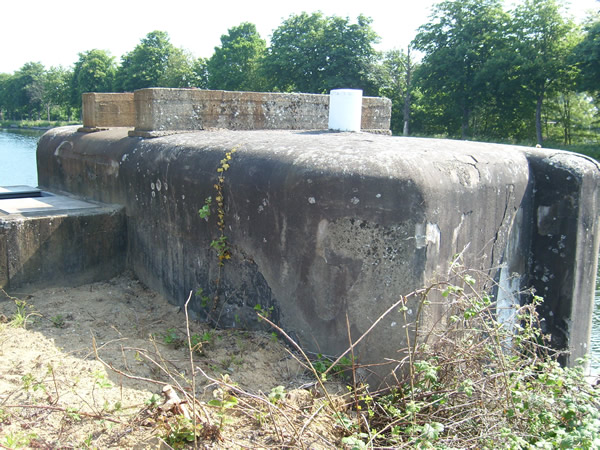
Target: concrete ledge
[{"x": 58, "y": 240}]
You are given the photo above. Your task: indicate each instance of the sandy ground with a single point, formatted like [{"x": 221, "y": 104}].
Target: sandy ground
[{"x": 88, "y": 366}]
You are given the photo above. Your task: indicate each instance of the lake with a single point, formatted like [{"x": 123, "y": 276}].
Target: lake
[
  {"x": 18, "y": 166},
  {"x": 17, "y": 157}
]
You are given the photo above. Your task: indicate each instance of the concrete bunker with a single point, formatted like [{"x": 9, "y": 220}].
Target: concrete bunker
[{"x": 322, "y": 225}]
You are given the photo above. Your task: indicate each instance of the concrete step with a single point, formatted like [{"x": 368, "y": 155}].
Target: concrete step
[{"x": 56, "y": 239}]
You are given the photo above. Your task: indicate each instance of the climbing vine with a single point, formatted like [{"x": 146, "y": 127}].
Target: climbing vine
[{"x": 219, "y": 244}]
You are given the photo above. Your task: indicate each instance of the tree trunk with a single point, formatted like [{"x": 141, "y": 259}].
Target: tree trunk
[
  {"x": 464, "y": 129},
  {"x": 538, "y": 119},
  {"x": 406, "y": 111}
]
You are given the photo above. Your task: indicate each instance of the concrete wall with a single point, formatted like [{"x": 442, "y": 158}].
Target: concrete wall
[{"x": 328, "y": 225}]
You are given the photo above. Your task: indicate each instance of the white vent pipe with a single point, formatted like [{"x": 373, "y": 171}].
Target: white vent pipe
[{"x": 345, "y": 109}]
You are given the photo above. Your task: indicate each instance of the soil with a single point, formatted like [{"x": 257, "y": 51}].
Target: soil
[{"x": 85, "y": 367}]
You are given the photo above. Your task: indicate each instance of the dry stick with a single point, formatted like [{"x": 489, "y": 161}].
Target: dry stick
[
  {"x": 379, "y": 319},
  {"x": 310, "y": 365},
  {"x": 58, "y": 408},
  {"x": 55, "y": 384},
  {"x": 354, "y": 387},
  {"x": 126, "y": 375},
  {"x": 163, "y": 368},
  {"x": 310, "y": 419},
  {"x": 279, "y": 434},
  {"x": 242, "y": 392},
  {"x": 191, "y": 352},
  {"x": 149, "y": 380}
]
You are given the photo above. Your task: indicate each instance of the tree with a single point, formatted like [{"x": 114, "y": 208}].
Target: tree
[
  {"x": 57, "y": 90},
  {"x": 25, "y": 90},
  {"x": 94, "y": 71},
  {"x": 5, "y": 97},
  {"x": 147, "y": 64},
  {"x": 181, "y": 71},
  {"x": 543, "y": 41},
  {"x": 457, "y": 44},
  {"x": 395, "y": 81},
  {"x": 587, "y": 58},
  {"x": 314, "y": 53},
  {"x": 236, "y": 64},
  {"x": 200, "y": 70}
]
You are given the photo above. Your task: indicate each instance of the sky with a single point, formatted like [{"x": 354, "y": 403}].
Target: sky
[{"x": 55, "y": 32}]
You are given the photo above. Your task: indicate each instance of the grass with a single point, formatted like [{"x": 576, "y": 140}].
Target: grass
[{"x": 35, "y": 123}]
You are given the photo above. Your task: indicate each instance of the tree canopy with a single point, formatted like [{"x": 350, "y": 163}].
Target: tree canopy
[
  {"x": 94, "y": 71},
  {"x": 587, "y": 58},
  {"x": 236, "y": 64},
  {"x": 527, "y": 74},
  {"x": 314, "y": 53},
  {"x": 147, "y": 64}
]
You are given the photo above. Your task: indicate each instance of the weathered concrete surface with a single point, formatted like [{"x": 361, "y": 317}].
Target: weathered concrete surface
[
  {"x": 57, "y": 240},
  {"x": 102, "y": 110},
  {"x": 324, "y": 225},
  {"x": 565, "y": 244},
  {"x": 161, "y": 110}
]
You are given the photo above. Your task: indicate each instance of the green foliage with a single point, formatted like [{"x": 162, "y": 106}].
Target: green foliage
[
  {"x": 29, "y": 382},
  {"x": 276, "y": 394},
  {"x": 100, "y": 380},
  {"x": 314, "y": 53},
  {"x": 236, "y": 64},
  {"x": 204, "y": 212},
  {"x": 458, "y": 43},
  {"x": 94, "y": 71},
  {"x": 395, "y": 78},
  {"x": 480, "y": 384},
  {"x": 171, "y": 337},
  {"x": 73, "y": 414},
  {"x": 153, "y": 401},
  {"x": 204, "y": 299},
  {"x": 223, "y": 401},
  {"x": 179, "y": 431},
  {"x": 323, "y": 364},
  {"x": 220, "y": 245},
  {"x": 155, "y": 62},
  {"x": 543, "y": 43},
  {"x": 19, "y": 440},
  {"x": 199, "y": 341},
  {"x": 58, "y": 321},
  {"x": 487, "y": 73},
  {"x": 23, "y": 312},
  {"x": 587, "y": 58},
  {"x": 263, "y": 312}
]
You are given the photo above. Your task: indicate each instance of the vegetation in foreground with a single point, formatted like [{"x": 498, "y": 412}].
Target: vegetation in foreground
[{"x": 471, "y": 382}]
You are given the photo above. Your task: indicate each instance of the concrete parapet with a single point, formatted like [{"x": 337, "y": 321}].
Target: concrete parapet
[
  {"x": 104, "y": 110},
  {"x": 161, "y": 111},
  {"x": 324, "y": 226}
]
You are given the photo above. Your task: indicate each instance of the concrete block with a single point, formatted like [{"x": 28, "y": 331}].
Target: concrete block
[
  {"x": 59, "y": 241},
  {"x": 327, "y": 225},
  {"x": 103, "y": 110}
]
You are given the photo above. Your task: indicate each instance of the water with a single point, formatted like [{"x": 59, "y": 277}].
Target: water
[
  {"x": 17, "y": 157},
  {"x": 18, "y": 166}
]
